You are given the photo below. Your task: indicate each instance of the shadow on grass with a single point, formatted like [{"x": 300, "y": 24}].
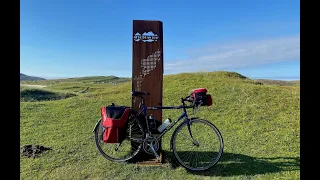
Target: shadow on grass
[
  {"x": 32, "y": 95},
  {"x": 238, "y": 164}
]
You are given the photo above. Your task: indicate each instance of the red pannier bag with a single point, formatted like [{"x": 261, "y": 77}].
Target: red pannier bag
[
  {"x": 200, "y": 96},
  {"x": 114, "y": 119}
]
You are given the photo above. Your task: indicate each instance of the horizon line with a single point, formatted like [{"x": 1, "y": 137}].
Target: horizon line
[{"x": 288, "y": 78}]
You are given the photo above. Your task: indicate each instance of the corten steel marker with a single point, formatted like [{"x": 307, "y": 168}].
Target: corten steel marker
[{"x": 147, "y": 64}]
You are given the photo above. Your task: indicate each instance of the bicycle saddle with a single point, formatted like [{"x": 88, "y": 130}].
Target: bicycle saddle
[{"x": 137, "y": 93}]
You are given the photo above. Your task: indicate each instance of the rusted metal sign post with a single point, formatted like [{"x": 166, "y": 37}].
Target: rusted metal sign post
[{"x": 147, "y": 64}]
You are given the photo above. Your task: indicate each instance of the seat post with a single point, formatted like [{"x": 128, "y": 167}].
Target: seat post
[{"x": 142, "y": 100}]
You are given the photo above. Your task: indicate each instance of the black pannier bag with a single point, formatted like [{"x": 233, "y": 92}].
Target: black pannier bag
[
  {"x": 200, "y": 96},
  {"x": 114, "y": 119}
]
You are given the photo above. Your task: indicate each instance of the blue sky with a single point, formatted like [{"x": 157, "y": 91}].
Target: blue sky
[{"x": 67, "y": 38}]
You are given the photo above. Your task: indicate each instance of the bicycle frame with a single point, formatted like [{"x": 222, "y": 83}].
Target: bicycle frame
[
  {"x": 184, "y": 114},
  {"x": 150, "y": 144}
]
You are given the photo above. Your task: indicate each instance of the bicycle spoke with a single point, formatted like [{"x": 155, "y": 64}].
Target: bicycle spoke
[
  {"x": 185, "y": 136},
  {"x": 206, "y": 156},
  {"x": 189, "y": 157},
  {"x": 196, "y": 157},
  {"x": 202, "y": 160}
]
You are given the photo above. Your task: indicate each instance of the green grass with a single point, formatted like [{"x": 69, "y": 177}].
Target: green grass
[{"x": 260, "y": 125}]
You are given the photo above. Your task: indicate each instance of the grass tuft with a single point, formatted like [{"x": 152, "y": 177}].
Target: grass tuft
[{"x": 31, "y": 95}]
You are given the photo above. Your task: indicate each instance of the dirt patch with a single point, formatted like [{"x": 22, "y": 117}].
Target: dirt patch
[{"x": 33, "y": 150}]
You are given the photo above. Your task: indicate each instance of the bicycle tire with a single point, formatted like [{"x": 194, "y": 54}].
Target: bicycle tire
[
  {"x": 136, "y": 145},
  {"x": 188, "y": 165}
]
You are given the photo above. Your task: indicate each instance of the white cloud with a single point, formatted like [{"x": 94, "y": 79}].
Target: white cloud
[{"x": 238, "y": 55}]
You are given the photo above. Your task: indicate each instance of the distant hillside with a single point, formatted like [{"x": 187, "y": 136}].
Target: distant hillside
[
  {"x": 95, "y": 79},
  {"x": 24, "y": 77}
]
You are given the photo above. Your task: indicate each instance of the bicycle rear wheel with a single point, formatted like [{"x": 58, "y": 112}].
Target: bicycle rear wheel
[
  {"x": 125, "y": 150},
  {"x": 204, "y": 152}
]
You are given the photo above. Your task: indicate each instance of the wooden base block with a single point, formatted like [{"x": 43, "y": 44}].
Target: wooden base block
[{"x": 152, "y": 162}]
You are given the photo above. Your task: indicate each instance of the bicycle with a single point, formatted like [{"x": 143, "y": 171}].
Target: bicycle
[{"x": 139, "y": 136}]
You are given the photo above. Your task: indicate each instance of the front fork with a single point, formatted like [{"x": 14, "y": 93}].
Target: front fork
[
  {"x": 195, "y": 142},
  {"x": 189, "y": 129}
]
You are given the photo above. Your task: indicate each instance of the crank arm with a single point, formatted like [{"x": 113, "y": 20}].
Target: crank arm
[{"x": 154, "y": 152}]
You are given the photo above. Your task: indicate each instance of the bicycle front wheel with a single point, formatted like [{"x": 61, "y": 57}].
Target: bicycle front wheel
[{"x": 202, "y": 151}]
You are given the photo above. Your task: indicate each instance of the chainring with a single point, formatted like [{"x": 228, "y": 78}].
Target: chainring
[{"x": 153, "y": 141}]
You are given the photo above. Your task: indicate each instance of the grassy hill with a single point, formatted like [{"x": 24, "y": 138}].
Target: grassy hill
[
  {"x": 260, "y": 124},
  {"x": 24, "y": 77}
]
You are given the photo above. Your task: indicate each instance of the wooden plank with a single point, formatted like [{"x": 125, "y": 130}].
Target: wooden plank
[
  {"x": 147, "y": 64},
  {"x": 153, "y": 161}
]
